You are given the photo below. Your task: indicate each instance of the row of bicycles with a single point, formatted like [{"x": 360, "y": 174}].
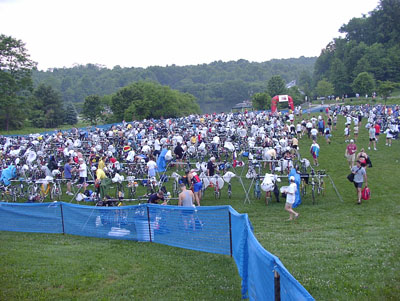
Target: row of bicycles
[{"x": 33, "y": 191}]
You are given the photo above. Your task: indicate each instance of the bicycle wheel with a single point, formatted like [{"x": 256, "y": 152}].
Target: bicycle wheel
[
  {"x": 313, "y": 194},
  {"x": 30, "y": 191},
  {"x": 303, "y": 188},
  {"x": 132, "y": 191},
  {"x": 6, "y": 196},
  {"x": 15, "y": 194},
  {"x": 53, "y": 192},
  {"x": 43, "y": 192},
  {"x": 175, "y": 189},
  {"x": 322, "y": 187}
]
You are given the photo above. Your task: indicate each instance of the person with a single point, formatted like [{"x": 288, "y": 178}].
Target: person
[
  {"x": 179, "y": 152},
  {"x": 290, "y": 199},
  {"x": 372, "y": 137},
  {"x": 329, "y": 122},
  {"x": 389, "y": 136},
  {"x": 211, "y": 167},
  {"x": 334, "y": 121},
  {"x": 347, "y": 132},
  {"x": 377, "y": 131},
  {"x": 314, "y": 133},
  {"x": 314, "y": 150},
  {"x": 186, "y": 197},
  {"x": 100, "y": 175},
  {"x": 82, "y": 172},
  {"x": 350, "y": 153},
  {"x": 102, "y": 162},
  {"x": 52, "y": 165},
  {"x": 156, "y": 197},
  {"x": 197, "y": 184},
  {"x": 360, "y": 174},
  {"x": 68, "y": 170},
  {"x": 364, "y": 158},
  {"x": 321, "y": 126},
  {"x": 355, "y": 131},
  {"x": 328, "y": 135},
  {"x": 151, "y": 167}
]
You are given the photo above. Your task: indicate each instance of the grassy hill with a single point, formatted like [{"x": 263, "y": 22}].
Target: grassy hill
[{"x": 337, "y": 250}]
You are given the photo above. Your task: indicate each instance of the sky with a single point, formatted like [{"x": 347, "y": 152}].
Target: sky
[{"x": 133, "y": 33}]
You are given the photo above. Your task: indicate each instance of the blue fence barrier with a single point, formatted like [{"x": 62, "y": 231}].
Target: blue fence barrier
[{"x": 216, "y": 229}]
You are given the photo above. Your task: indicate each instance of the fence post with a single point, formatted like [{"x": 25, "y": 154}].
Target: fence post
[
  {"x": 230, "y": 233},
  {"x": 277, "y": 286},
  {"x": 148, "y": 221},
  {"x": 62, "y": 218}
]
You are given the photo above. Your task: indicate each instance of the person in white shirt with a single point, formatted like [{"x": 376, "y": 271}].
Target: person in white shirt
[
  {"x": 314, "y": 133},
  {"x": 151, "y": 167},
  {"x": 146, "y": 148},
  {"x": 298, "y": 130},
  {"x": 290, "y": 199},
  {"x": 389, "y": 136},
  {"x": 309, "y": 127},
  {"x": 82, "y": 172},
  {"x": 157, "y": 147}
]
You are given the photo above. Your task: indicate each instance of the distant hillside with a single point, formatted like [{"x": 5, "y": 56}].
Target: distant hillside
[{"x": 218, "y": 86}]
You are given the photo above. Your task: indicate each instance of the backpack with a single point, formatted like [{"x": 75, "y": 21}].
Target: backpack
[{"x": 366, "y": 193}]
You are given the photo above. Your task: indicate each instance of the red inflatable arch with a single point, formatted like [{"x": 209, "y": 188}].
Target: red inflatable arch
[{"x": 281, "y": 98}]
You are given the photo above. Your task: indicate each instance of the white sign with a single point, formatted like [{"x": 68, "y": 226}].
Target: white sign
[{"x": 283, "y": 98}]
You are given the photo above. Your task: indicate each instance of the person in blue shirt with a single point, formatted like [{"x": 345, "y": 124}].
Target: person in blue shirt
[{"x": 68, "y": 170}]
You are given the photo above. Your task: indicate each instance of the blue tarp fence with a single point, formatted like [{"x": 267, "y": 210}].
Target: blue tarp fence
[{"x": 215, "y": 229}]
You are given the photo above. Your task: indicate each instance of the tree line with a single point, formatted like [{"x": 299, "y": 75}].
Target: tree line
[
  {"x": 366, "y": 60},
  {"x": 217, "y": 86}
]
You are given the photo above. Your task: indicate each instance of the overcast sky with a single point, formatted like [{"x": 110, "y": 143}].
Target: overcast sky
[{"x": 133, "y": 33}]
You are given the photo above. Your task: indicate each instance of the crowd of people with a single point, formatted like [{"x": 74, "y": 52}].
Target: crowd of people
[{"x": 212, "y": 140}]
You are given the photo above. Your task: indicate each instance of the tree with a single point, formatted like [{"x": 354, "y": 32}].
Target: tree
[
  {"x": 385, "y": 89},
  {"x": 305, "y": 82},
  {"x": 364, "y": 83},
  {"x": 15, "y": 81},
  {"x": 70, "y": 114},
  {"x": 92, "y": 108},
  {"x": 276, "y": 86},
  {"x": 151, "y": 100},
  {"x": 296, "y": 95},
  {"x": 338, "y": 77},
  {"x": 261, "y": 101},
  {"x": 47, "y": 108},
  {"x": 324, "y": 88}
]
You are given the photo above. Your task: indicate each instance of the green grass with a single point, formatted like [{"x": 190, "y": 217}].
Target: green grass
[
  {"x": 336, "y": 250},
  {"x": 34, "y": 130},
  {"x": 394, "y": 99}
]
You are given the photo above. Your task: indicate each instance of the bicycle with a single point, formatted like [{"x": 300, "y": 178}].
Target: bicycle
[
  {"x": 132, "y": 186},
  {"x": 17, "y": 190},
  {"x": 34, "y": 191},
  {"x": 56, "y": 191},
  {"x": 321, "y": 187},
  {"x": 317, "y": 183},
  {"x": 217, "y": 191},
  {"x": 229, "y": 190},
  {"x": 175, "y": 184},
  {"x": 303, "y": 185},
  {"x": 257, "y": 188},
  {"x": 120, "y": 191},
  {"x": 7, "y": 195},
  {"x": 313, "y": 184}
]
